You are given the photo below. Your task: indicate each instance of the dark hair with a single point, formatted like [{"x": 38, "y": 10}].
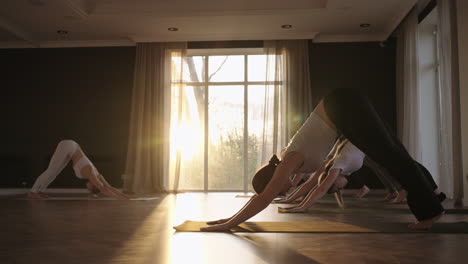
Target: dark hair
[{"x": 263, "y": 175}]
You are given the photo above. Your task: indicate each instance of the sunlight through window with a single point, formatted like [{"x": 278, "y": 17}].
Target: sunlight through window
[{"x": 218, "y": 104}]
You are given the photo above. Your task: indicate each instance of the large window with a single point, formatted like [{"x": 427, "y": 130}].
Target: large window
[{"x": 218, "y": 103}]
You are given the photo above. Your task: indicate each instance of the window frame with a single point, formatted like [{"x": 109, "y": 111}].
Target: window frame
[{"x": 206, "y": 53}]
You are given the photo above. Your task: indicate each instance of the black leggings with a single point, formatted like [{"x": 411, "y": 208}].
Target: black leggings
[{"x": 355, "y": 118}]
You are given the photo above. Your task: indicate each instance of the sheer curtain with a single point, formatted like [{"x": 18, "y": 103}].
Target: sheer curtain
[
  {"x": 408, "y": 125},
  {"x": 187, "y": 132},
  {"x": 149, "y": 127},
  {"x": 450, "y": 140},
  {"x": 288, "y": 91}
]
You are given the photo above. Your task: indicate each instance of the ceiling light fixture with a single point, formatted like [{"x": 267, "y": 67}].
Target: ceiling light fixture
[
  {"x": 62, "y": 32},
  {"x": 172, "y": 29},
  {"x": 286, "y": 26},
  {"x": 364, "y": 25}
]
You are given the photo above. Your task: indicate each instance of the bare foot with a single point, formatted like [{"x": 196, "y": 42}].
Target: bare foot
[
  {"x": 362, "y": 192},
  {"x": 34, "y": 195},
  {"x": 44, "y": 195},
  {"x": 390, "y": 196},
  {"x": 425, "y": 224},
  {"x": 400, "y": 197}
]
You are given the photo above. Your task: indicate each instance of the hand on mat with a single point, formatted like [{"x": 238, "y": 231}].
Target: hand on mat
[
  {"x": 216, "y": 228},
  {"x": 291, "y": 209},
  {"x": 217, "y": 222}
]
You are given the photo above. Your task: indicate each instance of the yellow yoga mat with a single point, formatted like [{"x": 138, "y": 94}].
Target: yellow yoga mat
[
  {"x": 330, "y": 227},
  {"x": 278, "y": 227}
]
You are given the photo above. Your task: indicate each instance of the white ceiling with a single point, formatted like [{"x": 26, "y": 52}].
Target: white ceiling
[{"x": 34, "y": 23}]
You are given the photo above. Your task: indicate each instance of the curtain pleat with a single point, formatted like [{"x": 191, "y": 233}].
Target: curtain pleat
[
  {"x": 450, "y": 152},
  {"x": 408, "y": 101}
]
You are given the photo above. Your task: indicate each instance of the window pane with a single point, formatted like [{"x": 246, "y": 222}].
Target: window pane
[
  {"x": 256, "y": 68},
  {"x": 226, "y": 68},
  {"x": 226, "y": 138},
  {"x": 187, "y": 137},
  {"x": 194, "y": 69}
]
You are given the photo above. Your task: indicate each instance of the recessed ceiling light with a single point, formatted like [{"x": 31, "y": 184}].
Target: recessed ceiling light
[
  {"x": 172, "y": 29},
  {"x": 62, "y": 32},
  {"x": 364, "y": 25},
  {"x": 286, "y": 26}
]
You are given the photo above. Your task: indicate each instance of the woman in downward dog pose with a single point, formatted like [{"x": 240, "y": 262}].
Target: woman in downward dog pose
[
  {"x": 350, "y": 114},
  {"x": 346, "y": 156},
  {"x": 69, "y": 150},
  {"x": 343, "y": 160}
]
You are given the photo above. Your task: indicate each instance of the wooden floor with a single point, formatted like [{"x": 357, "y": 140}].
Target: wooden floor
[{"x": 109, "y": 231}]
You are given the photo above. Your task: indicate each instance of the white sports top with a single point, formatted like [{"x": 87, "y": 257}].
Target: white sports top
[
  {"x": 84, "y": 161},
  {"x": 314, "y": 140},
  {"x": 349, "y": 160}
]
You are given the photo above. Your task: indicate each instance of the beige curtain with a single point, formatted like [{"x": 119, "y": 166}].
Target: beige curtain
[
  {"x": 449, "y": 93},
  {"x": 408, "y": 126},
  {"x": 149, "y": 129},
  {"x": 288, "y": 92},
  {"x": 298, "y": 95}
]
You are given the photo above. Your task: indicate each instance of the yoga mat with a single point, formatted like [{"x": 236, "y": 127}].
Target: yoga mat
[
  {"x": 371, "y": 211},
  {"x": 347, "y": 200},
  {"x": 328, "y": 227},
  {"x": 244, "y": 196}
]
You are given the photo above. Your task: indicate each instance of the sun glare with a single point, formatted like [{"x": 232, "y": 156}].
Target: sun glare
[{"x": 186, "y": 137}]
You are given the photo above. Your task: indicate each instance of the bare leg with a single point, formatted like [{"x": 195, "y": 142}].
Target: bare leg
[{"x": 59, "y": 160}]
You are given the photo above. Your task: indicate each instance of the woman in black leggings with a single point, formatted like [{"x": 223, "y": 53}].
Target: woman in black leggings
[
  {"x": 355, "y": 118},
  {"x": 350, "y": 114}
]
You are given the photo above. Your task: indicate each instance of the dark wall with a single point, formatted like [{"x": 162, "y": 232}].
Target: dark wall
[
  {"x": 48, "y": 95},
  {"x": 366, "y": 66}
]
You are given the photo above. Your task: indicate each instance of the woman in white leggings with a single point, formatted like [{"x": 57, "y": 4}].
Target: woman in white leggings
[{"x": 69, "y": 150}]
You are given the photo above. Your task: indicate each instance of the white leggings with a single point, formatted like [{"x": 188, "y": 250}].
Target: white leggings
[{"x": 59, "y": 160}]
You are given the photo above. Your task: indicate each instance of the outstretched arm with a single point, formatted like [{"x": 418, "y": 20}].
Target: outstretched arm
[
  {"x": 301, "y": 190},
  {"x": 315, "y": 194},
  {"x": 258, "y": 202},
  {"x": 297, "y": 178},
  {"x": 312, "y": 181},
  {"x": 99, "y": 182},
  {"x": 114, "y": 191}
]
